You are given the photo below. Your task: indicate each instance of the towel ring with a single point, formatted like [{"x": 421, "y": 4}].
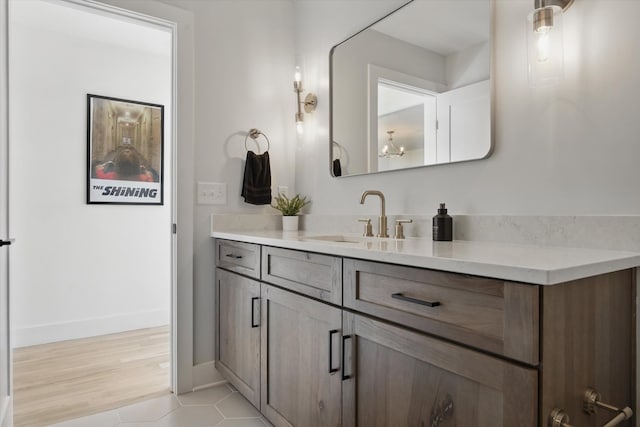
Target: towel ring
[
  {"x": 254, "y": 134},
  {"x": 339, "y": 151}
]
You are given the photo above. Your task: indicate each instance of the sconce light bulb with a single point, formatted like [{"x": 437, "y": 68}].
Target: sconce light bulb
[
  {"x": 543, "y": 47},
  {"x": 402, "y": 150},
  {"x": 297, "y": 76},
  {"x": 545, "y": 55},
  {"x": 300, "y": 128}
]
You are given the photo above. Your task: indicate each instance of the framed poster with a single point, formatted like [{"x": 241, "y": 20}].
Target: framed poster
[{"x": 125, "y": 151}]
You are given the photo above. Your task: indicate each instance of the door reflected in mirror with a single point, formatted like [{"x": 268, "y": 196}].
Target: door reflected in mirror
[{"x": 413, "y": 89}]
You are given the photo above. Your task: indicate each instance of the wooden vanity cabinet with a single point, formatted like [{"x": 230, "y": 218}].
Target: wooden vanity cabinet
[
  {"x": 300, "y": 367},
  {"x": 280, "y": 346},
  {"x": 301, "y": 338},
  {"x": 238, "y": 305},
  {"x": 239, "y": 257},
  {"x": 342, "y": 342},
  {"x": 316, "y": 275},
  {"x": 397, "y": 377},
  {"x": 489, "y": 314},
  {"x": 588, "y": 340},
  {"x": 518, "y": 351},
  {"x": 400, "y": 376}
]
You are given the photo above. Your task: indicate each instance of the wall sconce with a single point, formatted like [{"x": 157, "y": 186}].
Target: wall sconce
[
  {"x": 544, "y": 41},
  {"x": 309, "y": 104}
]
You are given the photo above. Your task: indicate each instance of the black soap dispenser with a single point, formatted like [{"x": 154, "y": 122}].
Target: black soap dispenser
[{"x": 442, "y": 225}]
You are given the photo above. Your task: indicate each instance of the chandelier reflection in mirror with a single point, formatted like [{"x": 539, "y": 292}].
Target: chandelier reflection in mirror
[{"x": 391, "y": 149}]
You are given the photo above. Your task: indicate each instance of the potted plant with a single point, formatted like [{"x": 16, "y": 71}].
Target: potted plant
[{"x": 290, "y": 208}]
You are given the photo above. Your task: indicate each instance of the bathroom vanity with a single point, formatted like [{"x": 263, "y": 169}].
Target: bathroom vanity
[{"x": 348, "y": 331}]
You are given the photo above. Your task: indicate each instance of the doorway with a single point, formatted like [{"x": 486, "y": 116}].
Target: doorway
[{"x": 83, "y": 271}]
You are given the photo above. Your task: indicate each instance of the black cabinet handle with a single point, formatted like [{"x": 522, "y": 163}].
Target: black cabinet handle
[
  {"x": 332, "y": 370},
  {"x": 344, "y": 367},
  {"x": 415, "y": 300},
  {"x": 6, "y": 242},
  {"x": 253, "y": 310},
  {"x": 233, "y": 256}
]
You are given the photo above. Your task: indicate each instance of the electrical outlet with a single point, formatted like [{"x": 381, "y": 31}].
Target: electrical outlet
[
  {"x": 212, "y": 193},
  {"x": 283, "y": 189}
]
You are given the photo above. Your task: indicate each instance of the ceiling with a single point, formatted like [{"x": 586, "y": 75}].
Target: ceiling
[{"x": 440, "y": 26}]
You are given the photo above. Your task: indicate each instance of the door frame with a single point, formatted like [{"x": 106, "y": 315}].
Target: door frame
[
  {"x": 6, "y": 404},
  {"x": 180, "y": 24}
]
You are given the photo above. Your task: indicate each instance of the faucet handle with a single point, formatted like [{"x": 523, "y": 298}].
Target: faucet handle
[
  {"x": 368, "y": 228},
  {"x": 399, "y": 230}
]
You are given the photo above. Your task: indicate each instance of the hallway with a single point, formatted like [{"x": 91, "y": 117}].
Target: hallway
[{"x": 70, "y": 379}]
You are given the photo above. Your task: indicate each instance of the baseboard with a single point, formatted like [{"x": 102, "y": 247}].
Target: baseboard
[
  {"x": 6, "y": 414},
  {"x": 206, "y": 375},
  {"x": 83, "y": 328}
]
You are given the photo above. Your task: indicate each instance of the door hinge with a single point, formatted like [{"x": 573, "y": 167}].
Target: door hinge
[{"x": 174, "y": 228}]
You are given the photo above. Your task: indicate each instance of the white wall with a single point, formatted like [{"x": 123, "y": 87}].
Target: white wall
[
  {"x": 568, "y": 150},
  {"x": 78, "y": 269},
  {"x": 469, "y": 66},
  {"x": 244, "y": 79}
]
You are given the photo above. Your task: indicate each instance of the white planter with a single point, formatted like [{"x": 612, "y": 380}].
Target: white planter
[{"x": 290, "y": 223}]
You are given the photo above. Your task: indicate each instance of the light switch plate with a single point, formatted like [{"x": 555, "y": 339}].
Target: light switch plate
[{"x": 212, "y": 193}]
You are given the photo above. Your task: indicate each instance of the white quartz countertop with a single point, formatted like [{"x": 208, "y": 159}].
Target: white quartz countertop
[{"x": 521, "y": 263}]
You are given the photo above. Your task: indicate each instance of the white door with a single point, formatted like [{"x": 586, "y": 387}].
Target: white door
[
  {"x": 5, "y": 364},
  {"x": 464, "y": 123}
]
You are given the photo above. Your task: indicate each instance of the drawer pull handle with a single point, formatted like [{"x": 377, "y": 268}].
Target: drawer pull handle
[
  {"x": 233, "y": 256},
  {"x": 253, "y": 311},
  {"x": 332, "y": 370},
  {"x": 401, "y": 297},
  {"x": 344, "y": 367}
]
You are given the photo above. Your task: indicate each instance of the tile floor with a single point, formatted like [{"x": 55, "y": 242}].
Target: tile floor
[{"x": 219, "y": 406}]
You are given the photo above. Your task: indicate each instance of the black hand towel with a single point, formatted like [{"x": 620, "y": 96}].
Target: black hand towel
[
  {"x": 337, "y": 168},
  {"x": 256, "y": 186}
]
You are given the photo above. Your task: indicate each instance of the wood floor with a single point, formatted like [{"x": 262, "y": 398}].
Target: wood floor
[{"x": 60, "y": 381}]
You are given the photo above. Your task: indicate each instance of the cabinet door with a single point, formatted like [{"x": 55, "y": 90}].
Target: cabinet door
[
  {"x": 396, "y": 377},
  {"x": 239, "y": 333},
  {"x": 300, "y": 369}
]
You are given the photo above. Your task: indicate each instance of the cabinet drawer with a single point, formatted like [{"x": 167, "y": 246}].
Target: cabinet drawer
[
  {"x": 319, "y": 276},
  {"x": 488, "y": 314},
  {"x": 396, "y": 377},
  {"x": 243, "y": 258}
]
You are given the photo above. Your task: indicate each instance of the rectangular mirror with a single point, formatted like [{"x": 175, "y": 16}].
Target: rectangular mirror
[{"x": 413, "y": 89}]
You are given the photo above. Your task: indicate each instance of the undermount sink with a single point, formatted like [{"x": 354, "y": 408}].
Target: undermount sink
[{"x": 337, "y": 238}]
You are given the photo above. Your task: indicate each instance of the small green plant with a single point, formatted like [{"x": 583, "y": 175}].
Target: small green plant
[{"x": 290, "y": 207}]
